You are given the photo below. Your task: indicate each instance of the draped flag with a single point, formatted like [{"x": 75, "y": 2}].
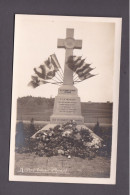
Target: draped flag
[
  {"x": 35, "y": 82},
  {"x": 87, "y": 76},
  {"x": 53, "y": 60},
  {"x": 46, "y": 71},
  {"x": 80, "y": 67}
]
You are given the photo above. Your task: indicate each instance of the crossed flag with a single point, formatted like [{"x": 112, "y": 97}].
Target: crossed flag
[
  {"x": 80, "y": 67},
  {"x": 46, "y": 71},
  {"x": 50, "y": 71}
]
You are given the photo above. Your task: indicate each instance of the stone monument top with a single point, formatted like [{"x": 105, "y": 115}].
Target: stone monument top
[
  {"x": 67, "y": 104},
  {"x": 69, "y": 43}
]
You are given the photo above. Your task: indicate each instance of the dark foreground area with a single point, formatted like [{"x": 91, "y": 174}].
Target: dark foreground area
[{"x": 39, "y": 158}]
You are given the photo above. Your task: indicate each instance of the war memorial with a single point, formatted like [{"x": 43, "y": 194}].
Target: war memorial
[{"x": 67, "y": 117}]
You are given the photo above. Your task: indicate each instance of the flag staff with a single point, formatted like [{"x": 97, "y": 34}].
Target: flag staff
[
  {"x": 58, "y": 83},
  {"x": 75, "y": 79},
  {"x": 55, "y": 80},
  {"x": 76, "y": 82},
  {"x": 55, "y": 60},
  {"x": 59, "y": 79},
  {"x": 59, "y": 74},
  {"x": 55, "y": 83}
]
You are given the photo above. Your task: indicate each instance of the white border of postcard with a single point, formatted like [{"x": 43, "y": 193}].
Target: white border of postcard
[{"x": 112, "y": 179}]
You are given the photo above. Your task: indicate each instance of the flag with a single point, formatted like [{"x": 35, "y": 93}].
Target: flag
[
  {"x": 74, "y": 58},
  {"x": 48, "y": 68},
  {"x": 53, "y": 59},
  {"x": 35, "y": 82},
  {"x": 77, "y": 65},
  {"x": 80, "y": 67},
  {"x": 74, "y": 62},
  {"x": 84, "y": 70},
  {"x": 45, "y": 71},
  {"x": 87, "y": 76}
]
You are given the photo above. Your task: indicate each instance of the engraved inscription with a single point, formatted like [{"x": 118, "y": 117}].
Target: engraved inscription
[
  {"x": 67, "y": 105},
  {"x": 67, "y": 91}
]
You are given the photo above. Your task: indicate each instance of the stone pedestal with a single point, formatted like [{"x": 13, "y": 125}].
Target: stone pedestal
[{"x": 67, "y": 106}]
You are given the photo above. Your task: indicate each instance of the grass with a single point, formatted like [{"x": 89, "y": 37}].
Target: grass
[{"x": 31, "y": 164}]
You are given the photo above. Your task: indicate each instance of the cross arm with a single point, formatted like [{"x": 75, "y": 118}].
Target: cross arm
[
  {"x": 60, "y": 43},
  {"x": 78, "y": 44}
]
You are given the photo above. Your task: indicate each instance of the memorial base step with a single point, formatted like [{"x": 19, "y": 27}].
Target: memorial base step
[{"x": 59, "y": 119}]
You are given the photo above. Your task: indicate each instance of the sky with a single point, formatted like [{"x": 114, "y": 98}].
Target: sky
[{"x": 36, "y": 38}]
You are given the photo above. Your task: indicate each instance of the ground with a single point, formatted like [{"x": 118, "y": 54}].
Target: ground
[
  {"x": 28, "y": 163},
  {"x": 31, "y": 164}
]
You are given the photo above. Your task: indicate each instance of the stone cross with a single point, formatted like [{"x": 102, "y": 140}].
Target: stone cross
[{"x": 69, "y": 43}]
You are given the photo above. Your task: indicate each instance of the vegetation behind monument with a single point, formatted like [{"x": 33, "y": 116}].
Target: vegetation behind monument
[{"x": 41, "y": 109}]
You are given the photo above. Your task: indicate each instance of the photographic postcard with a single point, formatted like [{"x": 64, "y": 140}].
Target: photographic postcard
[{"x": 65, "y": 97}]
